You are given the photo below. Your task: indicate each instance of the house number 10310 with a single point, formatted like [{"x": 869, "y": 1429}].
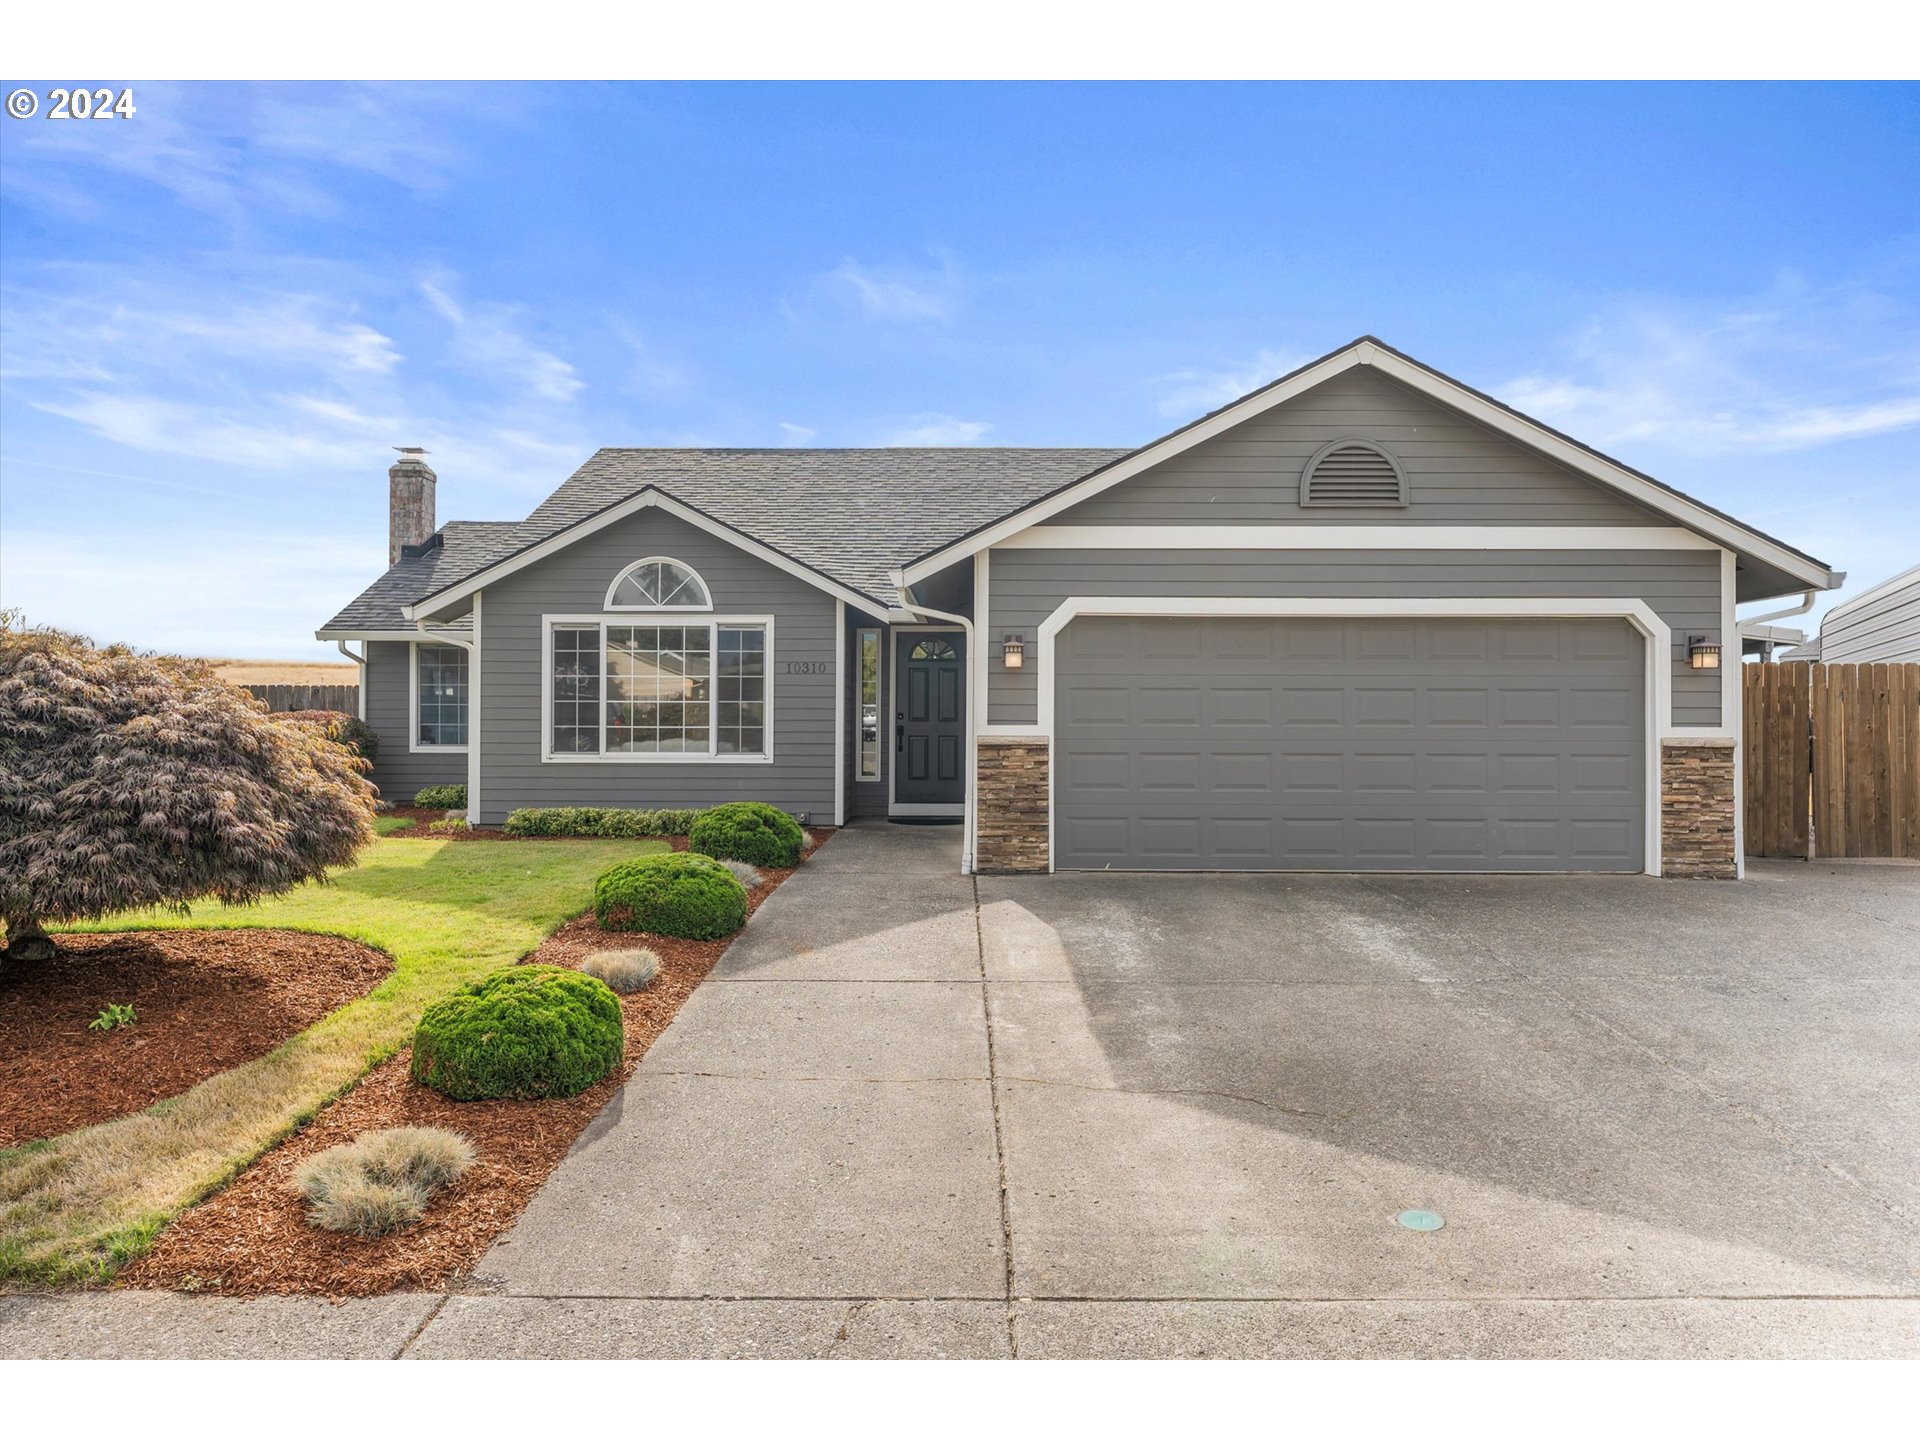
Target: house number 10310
[{"x": 806, "y": 667}]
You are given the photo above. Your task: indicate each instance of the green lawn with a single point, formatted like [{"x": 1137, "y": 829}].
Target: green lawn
[{"x": 80, "y": 1206}]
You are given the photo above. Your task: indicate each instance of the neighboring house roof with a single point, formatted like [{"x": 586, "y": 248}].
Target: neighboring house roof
[
  {"x": 1641, "y": 488},
  {"x": 861, "y": 521}
]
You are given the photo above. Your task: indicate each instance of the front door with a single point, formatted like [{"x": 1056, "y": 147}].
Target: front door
[{"x": 930, "y": 720}]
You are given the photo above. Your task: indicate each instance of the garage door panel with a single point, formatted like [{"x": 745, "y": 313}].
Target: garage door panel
[{"x": 1363, "y": 744}]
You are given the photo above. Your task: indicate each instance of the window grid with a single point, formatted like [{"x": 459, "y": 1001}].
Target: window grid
[
  {"x": 657, "y": 688},
  {"x": 442, "y": 681},
  {"x": 661, "y": 585},
  {"x": 576, "y": 689},
  {"x": 698, "y": 690}
]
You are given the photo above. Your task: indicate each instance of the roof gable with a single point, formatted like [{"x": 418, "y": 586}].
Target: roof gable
[{"x": 1642, "y": 489}]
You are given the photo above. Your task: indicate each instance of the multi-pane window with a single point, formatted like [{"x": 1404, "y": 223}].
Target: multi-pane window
[
  {"x": 576, "y": 690},
  {"x": 741, "y": 691},
  {"x": 621, "y": 689},
  {"x": 657, "y": 688},
  {"x": 441, "y": 695},
  {"x": 869, "y": 704},
  {"x": 659, "y": 585}
]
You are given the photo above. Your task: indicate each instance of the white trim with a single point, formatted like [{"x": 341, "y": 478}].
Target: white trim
[
  {"x": 1732, "y": 698},
  {"x": 474, "y": 713},
  {"x": 960, "y": 627},
  {"x": 1357, "y": 537},
  {"x": 633, "y": 505},
  {"x": 879, "y": 633},
  {"x": 1645, "y": 492},
  {"x": 839, "y": 712},
  {"x": 1658, "y": 635},
  {"x": 548, "y": 623},
  {"x": 414, "y": 744},
  {"x": 698, "y": 579}
]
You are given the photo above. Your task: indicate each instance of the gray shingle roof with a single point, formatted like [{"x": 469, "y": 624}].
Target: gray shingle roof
[
  {"x": 466, "y": 546},
  {"x": 852, "y": 515}
]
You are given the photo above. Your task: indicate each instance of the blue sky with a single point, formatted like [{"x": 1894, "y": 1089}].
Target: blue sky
[{"x": 217, "y": 317}]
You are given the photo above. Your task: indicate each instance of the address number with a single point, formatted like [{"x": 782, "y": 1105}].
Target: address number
[{"x": 806, "y": 667}]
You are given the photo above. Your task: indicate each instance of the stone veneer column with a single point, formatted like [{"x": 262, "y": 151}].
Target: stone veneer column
[
  {"x": 1696, "y": 810},
  {"x": 1010, "y": 806}
]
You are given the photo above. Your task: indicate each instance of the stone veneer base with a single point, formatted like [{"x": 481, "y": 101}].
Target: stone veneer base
[
  {"x": 1697, "y": 832},
  {"x": 1010, "y": 798}
]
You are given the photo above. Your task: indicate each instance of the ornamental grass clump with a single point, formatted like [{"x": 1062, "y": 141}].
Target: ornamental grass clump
[
  {"x": 689, "y": 896},
  {"x": 529, "y": 1032},
  {"x": 381, "y": 1182},
  {"x": 745, "y": 873},
  {"x": 751, "y": 831},
  {"x": 622, "y": 971}
]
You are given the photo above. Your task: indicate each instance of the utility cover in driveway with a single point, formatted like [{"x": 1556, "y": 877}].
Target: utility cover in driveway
[{"x": 1296, "y": 744}]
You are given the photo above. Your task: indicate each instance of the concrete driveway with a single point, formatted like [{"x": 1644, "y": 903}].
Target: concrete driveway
[{"x": 912, "y": 1114}]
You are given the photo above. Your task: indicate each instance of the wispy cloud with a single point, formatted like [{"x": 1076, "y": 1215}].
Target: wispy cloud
[
  {"x": 488, "y": 337},
  {"x": 1794, "y": 369},
  {"x": 935, "y": 429},
  {"x": 1186, "y": 393},
  {"x": 900, "y": 292},
  {"x": 792, "y": 434}
]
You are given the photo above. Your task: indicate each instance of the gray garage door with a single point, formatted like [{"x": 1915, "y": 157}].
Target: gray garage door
[{"x": 1200, "y": 744}]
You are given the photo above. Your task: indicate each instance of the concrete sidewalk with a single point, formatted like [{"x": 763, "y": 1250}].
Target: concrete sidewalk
[{"x": 911, "y": 1114}]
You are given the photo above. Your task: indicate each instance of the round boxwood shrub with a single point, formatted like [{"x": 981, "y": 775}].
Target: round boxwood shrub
[
  {"x": 685, "y": 895},
  {"x": 530, "y": 1032},
  {"x": 750, "y": 831}
]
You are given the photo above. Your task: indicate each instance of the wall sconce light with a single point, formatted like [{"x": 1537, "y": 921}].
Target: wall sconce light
[
  {"x": 1701, "y": 655},
  {"x": 1013, "y": 652}
]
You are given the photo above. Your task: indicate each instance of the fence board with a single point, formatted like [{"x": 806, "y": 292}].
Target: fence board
[
  {"x": 309, "y": 697},
  {"x": 1832, "y": 760}
]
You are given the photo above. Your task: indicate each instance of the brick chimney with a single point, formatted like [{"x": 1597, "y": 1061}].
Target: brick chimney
[{"x": 409, "y": 501}]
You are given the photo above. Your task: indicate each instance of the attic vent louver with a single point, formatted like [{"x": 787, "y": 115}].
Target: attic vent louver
[{"x": 1353, "y": 472}]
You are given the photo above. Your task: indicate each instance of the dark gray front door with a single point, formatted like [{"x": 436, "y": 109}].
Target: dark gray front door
[
  {"x": 930, "y": 719},
  {"x": 1311, "y": 744}
]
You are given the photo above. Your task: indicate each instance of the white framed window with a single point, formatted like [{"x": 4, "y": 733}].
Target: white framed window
[
  {"x": 868, "y": 647},
  {"x": 659, "y": 582},
  {"x": 440, "y": 690},
  {"x": 619, "y": 688}
]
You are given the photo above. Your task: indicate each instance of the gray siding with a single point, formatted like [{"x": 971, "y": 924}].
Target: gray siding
[
  {"x": 1681, "y": 586},
  {"x": 1458, "y": 472},
  {"x": 574, "y": 582},
  {"x": 399, "y": 772}
]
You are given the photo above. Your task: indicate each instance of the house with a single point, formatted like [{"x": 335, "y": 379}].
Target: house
[
  {"x": 1364, "y": 618},
  {"x": 1880, "y": 626}
]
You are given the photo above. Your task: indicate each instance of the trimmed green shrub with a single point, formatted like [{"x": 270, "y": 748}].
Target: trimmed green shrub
[
  {"x": 685, "y": 895},
  {"x": 451, "y": 821},
  {"x": 600, "y": 822},
  {"x": 530, "y": 1032},
  {"x": 381, "y": 1182},
  {"x": 441, "y": 797},
  {"x": 622, "y": 971},
  {"x": 750, "y": 831}
]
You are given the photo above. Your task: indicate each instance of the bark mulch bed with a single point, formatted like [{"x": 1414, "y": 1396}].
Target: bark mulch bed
[
  {"x": 206, "y": 1001},
  {"x": 252, "y": 1238}
]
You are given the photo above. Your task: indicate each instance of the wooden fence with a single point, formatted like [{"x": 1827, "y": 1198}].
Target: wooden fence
[
  {"x": 1832, "y": 760},
  {"x": 309, "y": 697}
]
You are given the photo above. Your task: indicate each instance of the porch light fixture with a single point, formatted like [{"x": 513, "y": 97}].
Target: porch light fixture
[
  {"x": 1701, "y": 655},
  {"x": 1013, "y": 652}
]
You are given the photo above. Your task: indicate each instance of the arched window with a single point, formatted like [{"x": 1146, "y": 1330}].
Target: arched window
[
  {"x": 933, "y": 648},
  {"x": 658, "y": 583},
  {"x": 1353, "y": 472}
]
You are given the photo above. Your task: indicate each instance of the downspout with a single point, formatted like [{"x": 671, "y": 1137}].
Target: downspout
[
  {"x": 360, "y": 689},
  {"x": 1806, "y": 604},
  {"x": 927, "y": 612}
]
